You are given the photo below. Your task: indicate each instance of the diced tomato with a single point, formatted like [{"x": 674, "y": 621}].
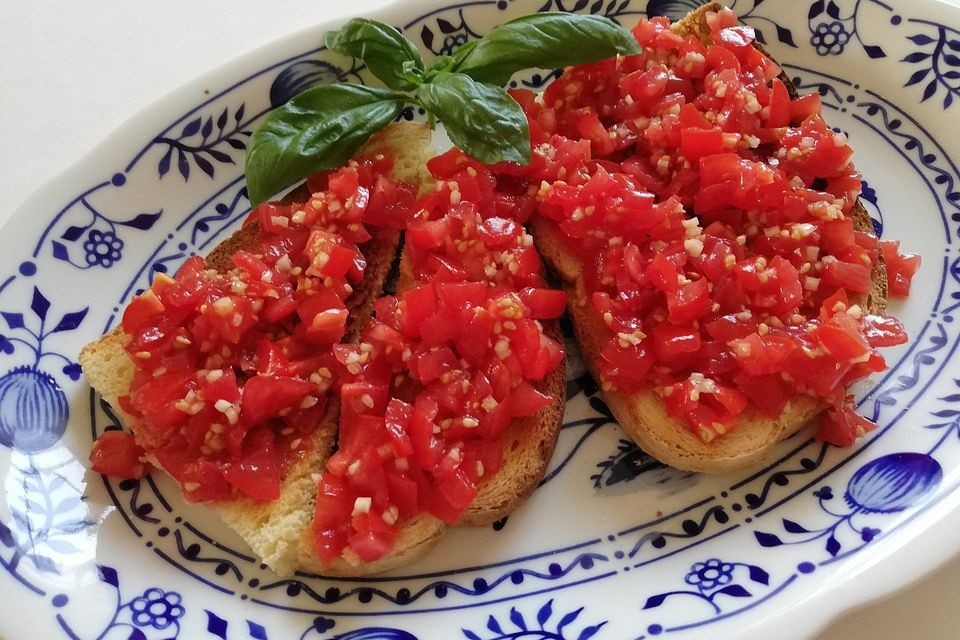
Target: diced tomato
[
  {"x": 141, "y": 311},
  {"x": 264, "y": 397},
  {"x": 883, "y": 331},
  {"x": 841, "y": 426},
  {"x": 779, "y": 105},
  {"x": 116, "y": 453},
  {"x": 417, "y": 305},
  {"x": 697, "y": 143},
  {"x": 690, "y": 303},
  {"x": 257, "y": 473},
  {"x": 842, "y": 338},
  {"x": 804, "y": 107},
  {"x": 900, "y": 268},
  {"x": 674, "y": 341},
  {"x": 544, "y": 304},
  {"x": 851, "y": 277}
]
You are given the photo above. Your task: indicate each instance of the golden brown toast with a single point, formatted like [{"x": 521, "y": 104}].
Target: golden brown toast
[{"x": 643, "y": 415}]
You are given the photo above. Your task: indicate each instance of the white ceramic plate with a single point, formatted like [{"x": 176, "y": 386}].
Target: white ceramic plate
[{"x": 612, "y": 546}]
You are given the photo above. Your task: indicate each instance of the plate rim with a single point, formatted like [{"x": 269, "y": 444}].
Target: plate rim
[{"x": 933, "y": 555}]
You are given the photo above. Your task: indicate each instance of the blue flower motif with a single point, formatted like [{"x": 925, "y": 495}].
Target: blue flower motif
[
  {"x": 322, "y": 624},
  {"x": 451, "y": 42},
  {"x": 868, "y": 534},
  {"x": 824, "y": 493},
  {"x": 72, "y": 370},
  {"x": 709, "y": 574},
  {"x": 829, "y": 38},
  {"x": 35, "y": 410},
  {"x": 893, "y": 482},
  {"x": 102, "y": 248},
  {"x": 157, "y": 608}
]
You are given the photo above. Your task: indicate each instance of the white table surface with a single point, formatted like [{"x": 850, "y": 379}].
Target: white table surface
[{"x": 72, "y": 72}]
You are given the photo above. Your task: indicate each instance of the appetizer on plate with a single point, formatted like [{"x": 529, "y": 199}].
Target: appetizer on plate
[
  {"x": 377, "y": 355},
  {"x": 726, "y": 285}
]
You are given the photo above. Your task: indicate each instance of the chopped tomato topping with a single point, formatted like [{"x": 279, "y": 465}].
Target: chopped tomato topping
[
  {"x": 115, "y": 453},
  {"x": 712, "y": 215},
  {"x": 443, "y": 370},
  {"x": 900, "y": 268},
  {"x": 232, "y": 368}
]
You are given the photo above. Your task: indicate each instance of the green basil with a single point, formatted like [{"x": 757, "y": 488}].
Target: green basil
[
  {"x": 544, "y": 41},
  {"x": 482, "y": 120},
  {"x": 385, "y": 51},
  {"x": 324, "y": 127},
  {"x": 318, "y": 129}
]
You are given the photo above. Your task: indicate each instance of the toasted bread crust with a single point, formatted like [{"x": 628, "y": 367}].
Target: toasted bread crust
[{"x": 643, "y": 415}]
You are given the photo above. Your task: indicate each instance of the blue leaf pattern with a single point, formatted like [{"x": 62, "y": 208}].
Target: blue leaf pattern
[
  {"x": 216, "y": 625},
  {"x": 39, "y": 304}
]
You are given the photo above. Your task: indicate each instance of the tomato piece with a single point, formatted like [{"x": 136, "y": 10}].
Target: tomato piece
[
  {"x": 257, "y": 473},
  {"x": 116, "y": 454},
  {"x": 457, "y": 489},
  {"x": 526, "y": 400},
  {"x": 334, "y": 503},
  {"x": 461, "y": 296},
  {"x": 497, "y": 233},
  {"x": 842, "y": 338},
  {"x": 427, "y": 234},
  {"x": 141, "y": 311},
  {"x": 673, "y": 341},
  {"x": 768, "y": 392},
  {"x": 841, "y": 426},
  {"x": 696, "y": 143},
  {"x": 443, "y": 326},
  {"x": 416, "y": 305},
  {"x": 397, "y": 420},
  {"x": 264, "y": 397},
  {"x": 883, "y": 331},
  {"x": 431, "y": 365},
  {"x": 779, "y": 106},
  {"x": 900, "y": 268},
  {"x": 427, "y": 448},
  {"x": 201, "y": 480},
  {"x": 544, "y": 304},
  {"x": 689, "y": 303},
  {"x": 363, "y": 397},
  {"x": 852, "y": 277},
  {"x": 370, "y": 546},
  {"x": 759, "y": 355},
  {"x": 804, "y": 107}
]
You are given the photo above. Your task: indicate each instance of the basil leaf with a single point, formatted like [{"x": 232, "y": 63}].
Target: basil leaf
[
  {"x": 483, "y": 120},
  {"x": 318, "y": 129},
  {"x": 544, "y": 41},
  {"x": 381, "y": 47}
]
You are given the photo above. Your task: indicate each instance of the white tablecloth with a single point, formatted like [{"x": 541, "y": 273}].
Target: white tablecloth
[{"x": 72, "y": 72}]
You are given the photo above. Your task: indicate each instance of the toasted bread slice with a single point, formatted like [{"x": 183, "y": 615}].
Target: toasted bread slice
[
  {"x": 528, "y": 447},
  {"x": 272, "y": 529},
  {"x": 643, "y": 415}
]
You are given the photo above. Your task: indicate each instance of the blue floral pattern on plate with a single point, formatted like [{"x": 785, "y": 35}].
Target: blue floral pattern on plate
[{"x": 706, "y": 549}]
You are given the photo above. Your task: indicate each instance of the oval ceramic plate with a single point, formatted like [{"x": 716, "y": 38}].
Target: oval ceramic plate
[{"x": 612, "y": 546}]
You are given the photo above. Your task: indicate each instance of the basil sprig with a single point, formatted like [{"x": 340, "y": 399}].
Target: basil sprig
[{"x": 323, "y": 127}]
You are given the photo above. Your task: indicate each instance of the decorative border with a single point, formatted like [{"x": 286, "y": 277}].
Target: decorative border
[{"x": 87, "y": 236}]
